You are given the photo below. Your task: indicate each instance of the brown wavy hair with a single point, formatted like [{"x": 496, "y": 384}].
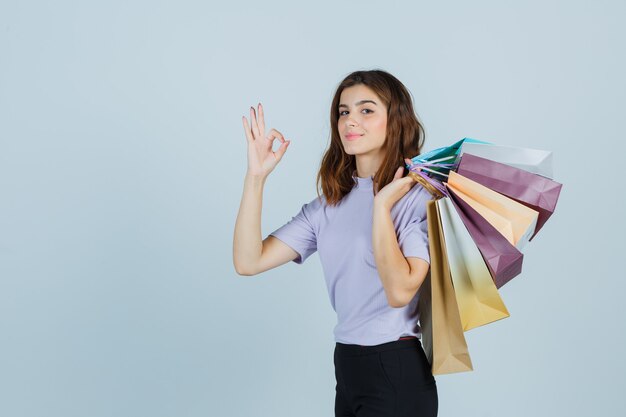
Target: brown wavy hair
[{"x": 404, "y": 136}]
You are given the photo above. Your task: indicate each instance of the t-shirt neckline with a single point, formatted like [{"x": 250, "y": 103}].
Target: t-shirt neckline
[{"x": 365, "y": 184}]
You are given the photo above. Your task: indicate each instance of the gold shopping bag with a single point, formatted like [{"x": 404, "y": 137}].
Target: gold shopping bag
[{"x": 442, "y": 333}]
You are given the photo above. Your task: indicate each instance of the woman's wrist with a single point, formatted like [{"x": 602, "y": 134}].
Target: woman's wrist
[{"x": 256, "y": 178}]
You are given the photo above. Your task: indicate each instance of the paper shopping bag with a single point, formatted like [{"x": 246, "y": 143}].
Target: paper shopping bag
[
  {"x": 537, "y": 161},
  {"x": 446, "y": 154},
  {"x": 444, "y": 343},
  {"x": 502, "y": 258},
  {"x": 532, "y": 190},
  {"x": 514, "y": 220},
  {"x": 476, "y": 294}
]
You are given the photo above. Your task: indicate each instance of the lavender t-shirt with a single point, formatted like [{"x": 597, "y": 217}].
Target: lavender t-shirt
[{"x": 342, "y": 236}]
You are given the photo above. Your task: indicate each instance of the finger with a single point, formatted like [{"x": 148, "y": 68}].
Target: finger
[
  {"x": 255, "y": 126},
  {"x": 410, "y": 162},
  {"x": 261, "y": 120},
  {"x": 398, "y": 173},
  {"x": 246, "y": 129},
  {"x": 275, "y": 134}
]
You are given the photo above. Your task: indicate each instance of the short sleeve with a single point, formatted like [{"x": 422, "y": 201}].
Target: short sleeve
[
  {"x": 413, "y": 237},
  {"x": 299, "y": 233}
]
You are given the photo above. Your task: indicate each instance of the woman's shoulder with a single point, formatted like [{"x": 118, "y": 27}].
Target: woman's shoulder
[
  {"x": 315, "y": 205},
  {"x": 418, "y": 194},
  {"x": 318, "y": 201}
]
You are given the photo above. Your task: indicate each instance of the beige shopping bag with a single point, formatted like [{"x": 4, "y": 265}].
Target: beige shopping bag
[{"x": 514, "y": 220}]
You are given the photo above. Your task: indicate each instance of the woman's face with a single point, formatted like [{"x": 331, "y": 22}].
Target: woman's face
[{"x": 362, "y": 121}]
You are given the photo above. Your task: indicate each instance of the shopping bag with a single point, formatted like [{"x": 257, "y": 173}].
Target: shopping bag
[
  {"x": 532, "y": 190},
  {"x": 477, "y": 296},
  {"x": 442, "y": 333},
  {"x": 443, "y": 156},
  {"x": 514, "y": 220},
  {"x": 502, "y": 258},
  {"x": 537, "y": 161}
]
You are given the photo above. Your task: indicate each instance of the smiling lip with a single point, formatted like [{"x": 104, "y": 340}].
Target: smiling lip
[{"x": 353, "y": 137}]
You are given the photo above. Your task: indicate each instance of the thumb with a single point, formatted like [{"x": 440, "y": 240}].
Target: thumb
[
  {"x": 398, "y": 173},
  {"x": 282, "y": 149}
]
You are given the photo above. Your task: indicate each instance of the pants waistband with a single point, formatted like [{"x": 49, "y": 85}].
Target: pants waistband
[{"x": 356, "y": 350}]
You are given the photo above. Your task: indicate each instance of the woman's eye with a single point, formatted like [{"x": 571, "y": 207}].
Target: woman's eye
[{"x": 345, "y": 111}]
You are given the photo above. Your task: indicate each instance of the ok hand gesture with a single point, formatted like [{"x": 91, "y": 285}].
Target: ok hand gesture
[{"x": 261, "y": 158}]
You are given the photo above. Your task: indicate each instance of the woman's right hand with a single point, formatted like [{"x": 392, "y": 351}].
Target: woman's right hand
[{"x": 261, "y": 158}]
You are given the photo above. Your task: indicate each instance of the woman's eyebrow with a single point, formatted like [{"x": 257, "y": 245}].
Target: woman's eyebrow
[{"x": 358, "y": 103}]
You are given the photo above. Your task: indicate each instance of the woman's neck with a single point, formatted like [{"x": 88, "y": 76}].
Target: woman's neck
[{"x": 367, "y": 165}]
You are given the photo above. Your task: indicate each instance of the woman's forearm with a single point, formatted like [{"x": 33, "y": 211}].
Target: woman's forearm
[
  {"x": 247, "y": 240},
  {"x": 393, "y": 268}
]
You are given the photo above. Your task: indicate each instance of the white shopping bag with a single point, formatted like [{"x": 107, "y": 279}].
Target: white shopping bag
[
  {"x": 536, "y": 161},
  {"x": 477, "y": 296}
]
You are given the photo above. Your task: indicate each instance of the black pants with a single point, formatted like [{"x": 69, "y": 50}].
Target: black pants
[{"x": 393, "y": 379}]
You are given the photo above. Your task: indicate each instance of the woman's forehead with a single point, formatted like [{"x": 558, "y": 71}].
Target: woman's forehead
[{"x": 358, "y": 94}]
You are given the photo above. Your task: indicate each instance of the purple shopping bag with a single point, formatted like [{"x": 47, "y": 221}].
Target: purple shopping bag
[
  {"x": 533, "y": 190},
  {"x": 503, "y": 260}
]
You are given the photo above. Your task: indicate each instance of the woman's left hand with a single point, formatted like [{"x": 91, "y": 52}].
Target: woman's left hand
[{"x": 395, "y": 190}]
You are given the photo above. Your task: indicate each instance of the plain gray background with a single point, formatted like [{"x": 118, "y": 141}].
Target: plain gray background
[{"x": 122, "y": 158}]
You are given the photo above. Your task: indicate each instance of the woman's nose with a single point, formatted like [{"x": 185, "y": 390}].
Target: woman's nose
[{"x": 350, "y": 122}]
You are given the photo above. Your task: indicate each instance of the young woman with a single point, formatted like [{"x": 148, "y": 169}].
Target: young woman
[{"x": 369, "y": 229}]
